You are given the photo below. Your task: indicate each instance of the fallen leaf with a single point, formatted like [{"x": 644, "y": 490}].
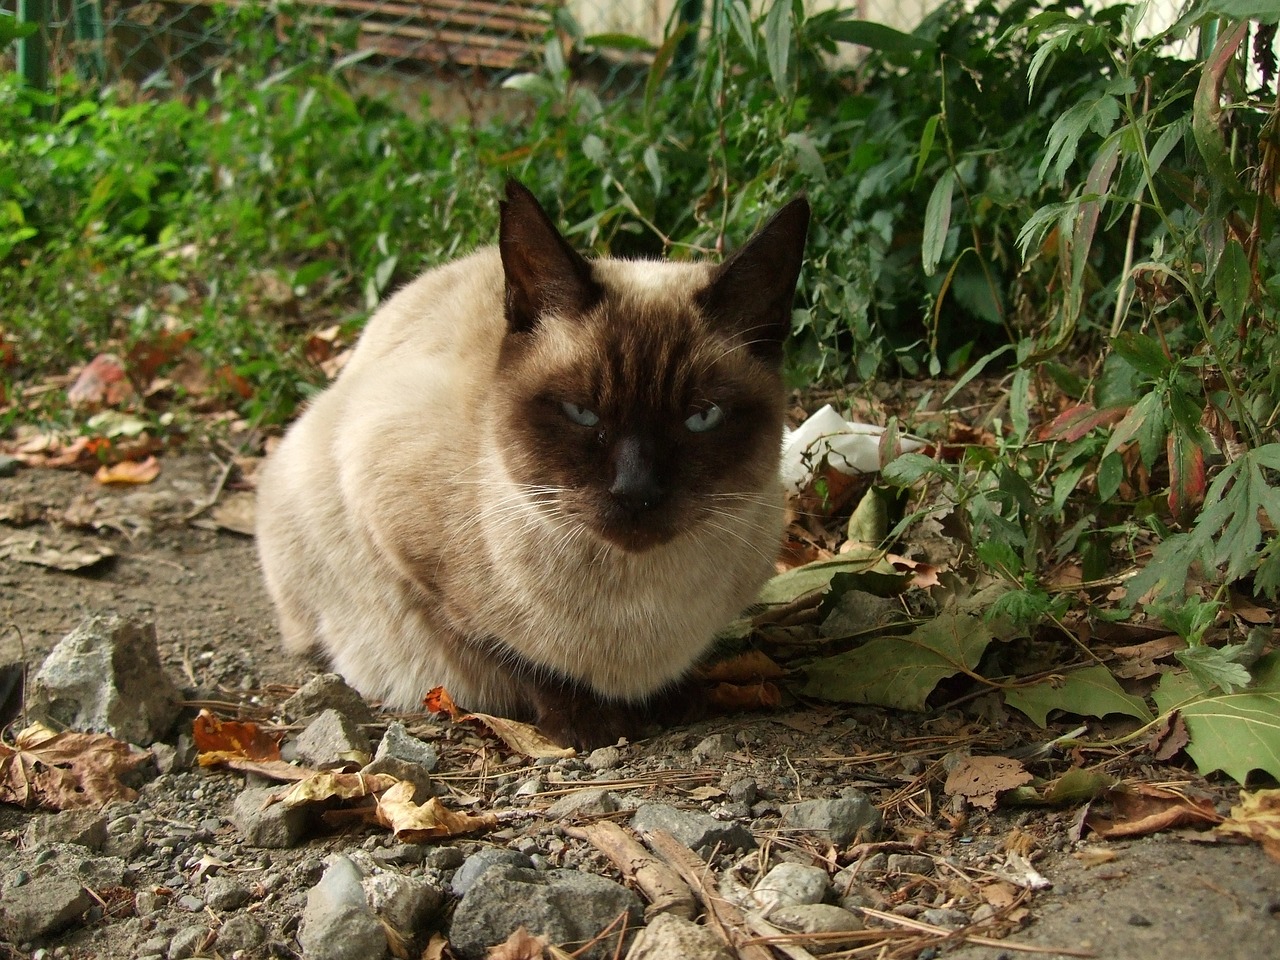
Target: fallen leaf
[
  {"x": 521, "y": 945},
  {"x": 327, "y": 785},
  {"x": 49, "y": 450},
  {"x": 1169, "y": 738},
  {"x": 102, "y": 383},
  {"x": 438, "y": 701},
  {"x": 235, "y": 512},
  {"x": 749, "y": 667},
  {"x": 520, "y": 737},
  {"x": 1095, "y": 856},
  {"x": 1138, "y": 661},
  {"x": 69, "y": 557},
  {"x": 1091, "y": 691},
  {"x": 435, "y": 948},
  {"x": 1141, "y": 809},
  {"x": 218, "y": 740},
  {"x": 62, "y": 771},
  {"x": 736, "y": 697},
  {"x": 1257, "y": 816},
  {"x": 128, "y": 471},
  {"x": 148, "y": 356},
  {"x": 416, "y": 823},
  {"x": 1001, "y": 894},
  {"x": 981, "y": 780}
]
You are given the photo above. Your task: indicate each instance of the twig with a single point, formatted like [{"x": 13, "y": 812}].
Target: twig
[
  {"x": 922, "y": 927},
  {"x": 660, "y": 884},
  {"x": 217, "y": 489}
]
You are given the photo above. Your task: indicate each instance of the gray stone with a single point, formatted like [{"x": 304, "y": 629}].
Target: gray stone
[
  {"x": 945, "y": 918},
  {"x": 332, "y": 739},
  {"x": 712, "y": 748},
  {"x": 418, "y": 775},
  {"x": 188, "y": 942},
  {"x": 841, "y": 821},
  {"x": 445, "y": 858},
  {"x": 789, "y": 885},
  {"x": 126, "y": 837},
  {"x": 337, "y": 922},
  {"x": 567, "y": 907},
  {"x": 328, "y": 691},
  {"x": 41, "y": 907},
  {"x": 399, "y": 744},
  {"x": 668, "y": 937},
  {"x": 693, "y": 828},
  {"x": 147, "y": 902},
  {"x": 603, "y": 758},
  {"x": 267, "y": 826},
  {"x": 483, "y": 860},
  {"x": 88, "y": 828},
  {"x": 240, "y": 931},
  {"x": 584, "y": 803},
  {"x": 226, "y": 893},
  {"x": 743, "y": 790},
  {"x": 910, "y": 863},
  {"x": 190, "y": 903},
  {"x": 817, "y": 918},
  {"x": 398, "y": 854},
  {"x": 97, "y": 872},
  {"x": 406, "y": 904},
  {"x": 106, "y": 676}
]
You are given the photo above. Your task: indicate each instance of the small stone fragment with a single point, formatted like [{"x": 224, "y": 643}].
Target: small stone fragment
[
  {"x": 910, "y": 863},
  {"x": 226, "y": 893},
  {"x": 483, "y": 860},
  {"x": 406, "y": 904},
  {"x": 399, "y": 744},
  {"x": 332, "y": 739},
  {"x": 712, "y": 748},
  {"x": 105, "y": 676},
  {"x": 337, "y": 922},
  {"x": 954, "y": 919},
  {"x": 817, "y": 918},
  {"x": 840, "y": 821},
  {"x": 328, "y": 691},
  {"x": 791, "y": 884},
  {"x": 584, "y": 803},
  {"x": 240, "y": 931},
  {"x": 187, "y": 942},
  {"x": 272, "y": 826},
  {"x": 668, "y": 937},
  {"x": 41, "y": 907},
  {"x": 604, "y": 758},
  {"x": 692, "y": 827},
  {"x": 88, "y": 828}
]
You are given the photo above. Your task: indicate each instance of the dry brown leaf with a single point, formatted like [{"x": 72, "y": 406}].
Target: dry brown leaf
[
  {"x": 1257, "y": 816},
  {"x": 521, "y": 945},
  {"x": 417, "y": 823},
  {"x": 148, "y": 356},
  {"x": 436, "y": 948},
  {"x": 102, "y": 383},
  {"x": 981, "y": 780},
  {"x": 1138, "y": 661},
  {"x": 326, "y": 785},
  {"x": 128, "y": 471},
  {"x": 745, "y": 696},
  {"x": 68, "y": 557},
  {"x": 749, "y": 667},
  {"x": 62, "y": 771},
  {"x": 219, "y": 740},
  {"x": 1001, "y": 894},
  {"x": 520, "y": 737},
  {"x": 1141, "y": 809},
  {"x": 1095, "y": 856},
  {"x": 1170, "y": 738}
]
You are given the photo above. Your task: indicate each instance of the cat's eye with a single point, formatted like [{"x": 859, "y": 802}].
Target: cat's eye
[
  {"x": 579, "y": 415},
  {"x": 705, "y": 420}
]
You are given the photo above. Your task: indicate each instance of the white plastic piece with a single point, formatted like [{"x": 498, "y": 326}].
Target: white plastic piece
[{"x": 848, "y": 447}]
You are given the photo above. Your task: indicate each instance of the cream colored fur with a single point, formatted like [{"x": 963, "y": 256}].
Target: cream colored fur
[{"x": 394, "y": 540}]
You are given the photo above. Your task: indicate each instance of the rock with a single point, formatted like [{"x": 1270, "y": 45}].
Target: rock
[
  {"x": 584, "y": 803},
  {"x": 328, "y": 691},
  {"x": 445, "y": 858},
  {"x": 692, "y": 827},
  {"x": 712, "y": 748},
  {"x": 567, "y": 907},
  {"x": 337, "y": 922},
  {"x": 405, "y": 757},
  {"x": 41, "y": 907},
  {"x": 106, "y": 676},
  {"x": 267, "y": 826},
  {"x": 188, "y": 942},
  {"x": 954, "y": 919},
  {"x": 668, "y": 937},
  {"x": 332, "y": 739},
  {"x": 483, "y": 860},
  {"x": 240, "y": 931},
  {"x": 126, "y": 837},
  {"x": 88, "y": 828},
  {"x": 423, "y": 790},
  {"x": 603, "y": 758},
  {"x": 840, "y": 821},
  {"x": 909, "y": 863},
  {"x": 406, "y": 904},
  {"x": 742, "y": 790},
  {"x": 226, "y": 893},
  {"x": 791, "y": 884},
  {"x": 817, "y": 918},
  {"x": 398, "y": 854}
]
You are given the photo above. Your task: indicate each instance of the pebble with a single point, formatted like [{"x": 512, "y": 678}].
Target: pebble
[
  {"x": 693, "y": 828},
  {"x": 187, "y": 942},
  {"x": 604, "y": 758},
  {"x": 584, "y": 803},
  {"x": 712, "y": 748},
  {"x": 406, "y": 904},
  {"x": 483, "y": 860},
  {"x": 669, "y": 937},
  {"x": 791, "y": 884},
  {"x": 337, "y": 923},
  {"x": 945, "y": 918},
  {"x": 189, "y": 903},
  {"x": 272, "y": 826},
  {"x": 226, "y": 893},
  {"x": 43, "y": 906},
  {"x": 240, "y": 931},
  {"x": 327, "y": 691},
  {"x": 332, "y": 739},
  {"x": 817, "y": 918},
  {"x": 909, "y": 863},
  {"x": 841, "y": 820},
  {"x": 87, "y": 828},
  {"x": 445, "y": 858}
]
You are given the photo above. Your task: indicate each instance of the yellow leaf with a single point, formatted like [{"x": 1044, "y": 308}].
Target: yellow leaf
[
  {"x": 416, "y": 823},
  {"x": 336, "y": 786}
]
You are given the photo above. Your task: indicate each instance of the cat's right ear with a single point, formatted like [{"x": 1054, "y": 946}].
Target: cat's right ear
[{"x": 543, "y": 273}]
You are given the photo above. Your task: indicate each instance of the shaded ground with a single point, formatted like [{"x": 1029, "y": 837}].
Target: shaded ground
[{"x": 1173, "y": 896}]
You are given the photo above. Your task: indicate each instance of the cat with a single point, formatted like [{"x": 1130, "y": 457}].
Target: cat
[{"x": 542, "y": 481}]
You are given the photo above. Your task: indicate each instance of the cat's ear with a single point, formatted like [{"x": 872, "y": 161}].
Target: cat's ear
[
  {"x": 543, "y": 273},
  {"x": 752, "y": 291}
]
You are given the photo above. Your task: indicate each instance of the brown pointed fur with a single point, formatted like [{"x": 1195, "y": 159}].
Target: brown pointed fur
[{"x": 435, "y": 518}]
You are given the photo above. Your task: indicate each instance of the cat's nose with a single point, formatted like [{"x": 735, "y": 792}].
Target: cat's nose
[{"x": 635, "y": 483}]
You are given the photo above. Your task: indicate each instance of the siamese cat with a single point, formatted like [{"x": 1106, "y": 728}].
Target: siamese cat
[{"x": 542, "y": 481}]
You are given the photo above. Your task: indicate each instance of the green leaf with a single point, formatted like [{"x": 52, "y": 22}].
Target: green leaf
[
  {"x": 1143, "y": 353},
  {"x": 1264, "y": 11},
  {"x": 1233, "y": 282},
  {"x": 1214, "y": 669},
  {"x": 618, "y": 41},
  {"x": 907, "y": 469},
  {"x": 1075, "y": 786},
  {"x": 1098, "y": 115},
  {"x": 877, "y": 36},
  {"x": 1088, "y": 692},
  {"x": 902, "y": 671},
  {"x": 777, "y": 44},
  {"x": 1233, "y": 732},
  {"x": 937, "y": 221},
  {"x": 872, "y": 574},
  {"x": 926, "y": 145},
  {"x": 740, "y": 17}
]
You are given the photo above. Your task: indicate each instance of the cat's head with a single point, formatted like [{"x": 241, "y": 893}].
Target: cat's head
[{"x": 642, "y": 400}]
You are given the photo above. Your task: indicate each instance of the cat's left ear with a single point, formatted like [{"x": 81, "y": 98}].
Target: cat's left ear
[
  {"x": 752, "y": 291},
  {"x": 543, "y": 273}
]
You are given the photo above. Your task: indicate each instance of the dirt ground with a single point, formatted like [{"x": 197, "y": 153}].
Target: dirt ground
[{"x": 1175, "y": 896}]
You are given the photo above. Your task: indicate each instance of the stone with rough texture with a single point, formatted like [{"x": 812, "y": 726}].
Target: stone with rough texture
[
  {"x": 841, "y": 821},
  {"x": 910, "y": 863},
  {"x": 567, "y": 907},
  {"x": 188, "y": 942},
  {"x": 791, "y": 884},
  {"x": 603, "y": 758},
  {"x": 88, "y": 828},
  {"x": 406, "y": 904},
  {"x": 399, "y": 744},
  {"x": 584, "y": 803},
  {"x": 226, "y": 893},
  {"x": 332, "y": 739},
  {"x": 105, "y": 676},
  {"x": 817, "y": 918},
  {"x": 328, "y": 691},
  {"x": 267, "y": 826},
  {"x": 482, "y": 861},
  {"x": 337, "y": 922},
  {"x": 240, "y": 931},
  {"x": 668, "y": 938},
  {"x": 41, "y": 907},
  {"x": 692, "y": 827}
]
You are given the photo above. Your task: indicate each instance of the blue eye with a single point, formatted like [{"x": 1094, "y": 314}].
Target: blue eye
[
  {"x": 579, "y": 415},
  {"x": 705, "y": 420}
]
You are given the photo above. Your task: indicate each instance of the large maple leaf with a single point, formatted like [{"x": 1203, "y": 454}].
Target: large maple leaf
[{"x": 61, "y": 771}]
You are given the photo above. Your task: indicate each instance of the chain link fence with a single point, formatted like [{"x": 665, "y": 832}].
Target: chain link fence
[{"x": 165, "y": 45}]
